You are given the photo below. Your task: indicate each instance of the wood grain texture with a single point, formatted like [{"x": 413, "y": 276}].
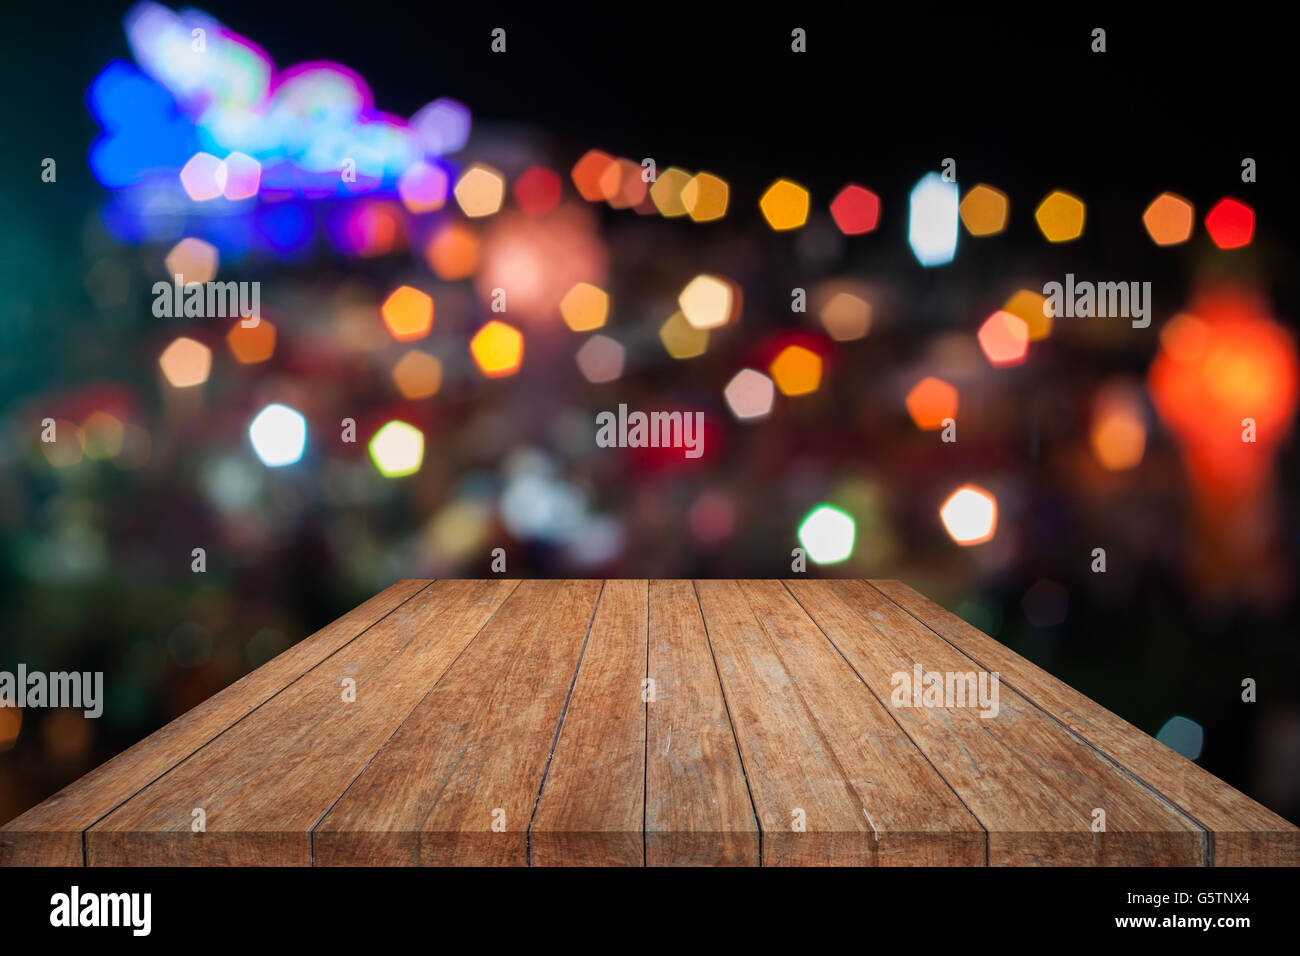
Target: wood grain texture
[
  {"x": 591, "y": 810},
  {"x": 915, "y": 817},
  {"x": 1033, "y": 785},
  {"x": 698, "y": 810},
  {"x": 1242, "y": 832},
  {"x": 458, "y": 782},
  {"x": 264, "y": 783},
  {"x": 630, "y": 723},
  {"x": 50, "y": 833}
]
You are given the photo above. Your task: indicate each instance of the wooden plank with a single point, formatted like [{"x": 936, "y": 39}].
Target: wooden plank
[
  {"x": 51, "y": 833},
  {"x": 698, "y": 810},
  {"x": 591, "y": 811},
  {"x": 1031, "y": 784},
  {"x": 807, "y": 811},
  {"x": 264, "y": 783},
  {"x": 916, "y": 818},
  {"x": 472, "y": 754},
  {"x": 1243, "y": 832}
]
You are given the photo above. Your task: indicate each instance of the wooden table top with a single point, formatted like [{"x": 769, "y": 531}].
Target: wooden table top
[{"x": 635, "y": 722}]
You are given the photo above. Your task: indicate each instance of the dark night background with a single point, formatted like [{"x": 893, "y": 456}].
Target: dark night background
[{"x": 1019, "y": 101}]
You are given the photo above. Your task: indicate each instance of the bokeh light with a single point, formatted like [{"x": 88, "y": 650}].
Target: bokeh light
[
  {"x": 666, "y": 192},
  {"x": 453, "y": 252},
  {"x": 930, "y": 401},
  {"x": 251, "y": 344},
  {"x": 1231, "y": 224},
  {"x": 585, "y": 307},
  {"x": 1168, "y": 220},
  {"x": 1118, "y": 434},
  {"x": 600, "y": 359},
  {"x": 970, "y": 515},
  {"x": 706, "y": 302},
  {"x": 278, "y": 435},
  {"x": 408, "y": 313},
  {"x": 397, "y": 449},
  {"x": 682, "y": 340},
  {"x": 588, "y": 173},
  {"x": 203, "y": 177},
  {"x": 750, "y": 395},
  {"x": 705, "y": 197},
  {"x": 984, "y": 210},
  {"x": 417, "y": 374},
  {"x": 480, "y": 191},
  {"x": 1060, "y": 216},
  {"x": 1005, "y": 339},
  {"x": 784, "y": 205},
  {"x": 1034, "y": 309},
  {"x": 537, "y": 191},
  {"x": 186, "y": 363},
  {"x": 856, "y": 210},
  {"x": 193, "y": 260},
  {"x": 932, "y": 220},
  {"x": 796, "y": 370},
  {"x": 827, "y": 534},
  {"x": 498, "y": 349},
  {"x": 423, "y": 187},
  {"x": 845, "y": 316}
]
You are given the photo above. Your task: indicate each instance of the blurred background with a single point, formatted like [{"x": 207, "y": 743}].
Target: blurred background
[{"x": 380, "y": 171}]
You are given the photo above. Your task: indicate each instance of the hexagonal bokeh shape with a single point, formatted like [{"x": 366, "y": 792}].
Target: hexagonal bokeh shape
[
  {"x": 666, "y": 192},
  {"x": 827, "y": 534},
  {"x": 845, "y": 316},
  {"x": 984, "y": 210},
  {"x": 1168, "y": 220},
  {"x": 397, "y": 449},
  {"x": 537, "y": 191},
  {"x": 194, "y": 260},
  {"x": 785, "y": 205},
  {"x": 1061, "y": 216},
  {"x": 970, "y": 515},
  {"x": 408, "y": 313},
  {"x": 588, "y": 171},
  {"x": 203, "y": 177},
  {"x": 750, "y": 395},
  {"x": 498, "y": 349}
]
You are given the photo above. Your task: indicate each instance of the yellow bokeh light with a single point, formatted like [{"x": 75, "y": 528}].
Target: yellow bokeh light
[
  {"x": 796, "y": 370},
  {"x": 498, "y": 349},
  {"x": 705, "y": 197},
  {"x": 682, "y": 340},
  {"x": 706, "y": 302},
  {"x": 193, "y": 260},
  {"x": 1034, "y": 309},
  {"x": 186, "y": 363},
  {"x": 585, "y": 307},
  {"x": 408, "y": 313},
  {"x": 417, "y": 375},
  {"x": 68, "y": 445},
  {"x": 666, "y": 192},
  {"x": 785, "y": 205},
  {"x": 480, "y": 191},
  {"x": 984, "y": 210},
  {"x": 1060, "y": 216}
]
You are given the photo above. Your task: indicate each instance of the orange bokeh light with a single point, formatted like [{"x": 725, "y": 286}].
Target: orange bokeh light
[
  {"x": 408, "y": 313},
  {"x": 930, "y": 401},
  {"x": 253, "y": 344}
]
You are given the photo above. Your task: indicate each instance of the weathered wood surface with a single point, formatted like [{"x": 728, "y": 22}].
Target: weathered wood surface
[{"x": 630, "y": 723}]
